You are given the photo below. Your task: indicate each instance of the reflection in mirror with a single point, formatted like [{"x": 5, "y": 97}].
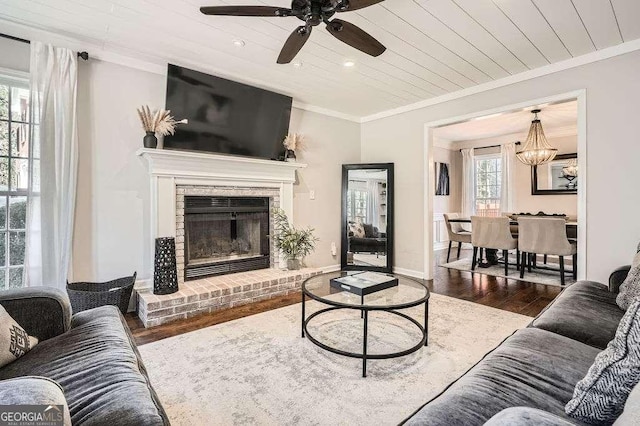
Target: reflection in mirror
[
  {"x": 367, "y": 201},
  {"x": 367, "y": 217},
  {"x": 559, "y": 176}
]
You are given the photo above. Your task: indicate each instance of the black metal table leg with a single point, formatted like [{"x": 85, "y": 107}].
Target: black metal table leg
[
  {"x": 361, "y": 303},
  {"x": 303, "y": 315},
  {"x": 426, "y": 322},
  {"x": 364, "y": 345}
]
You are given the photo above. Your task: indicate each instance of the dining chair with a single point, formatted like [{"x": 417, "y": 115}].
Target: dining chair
[
  {"x": 456, "y": 232},
  {"x": 492, "y": 233},
  {"x": 546, "y": 236}
]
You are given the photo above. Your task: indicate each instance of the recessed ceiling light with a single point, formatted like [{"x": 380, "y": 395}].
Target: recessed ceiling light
[
  {"x": 238, "y": 43},
  {"x": 297, "y": 64},
  {"x": 349, "y": 64}
]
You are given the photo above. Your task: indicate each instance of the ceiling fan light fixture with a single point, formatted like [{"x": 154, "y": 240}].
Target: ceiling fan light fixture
[
  {"x": 349, "y": 64},
  {"x": 239, "y": 43},
  {"x": 297, "y": 64},
  {"x": 536, "y": 149}
]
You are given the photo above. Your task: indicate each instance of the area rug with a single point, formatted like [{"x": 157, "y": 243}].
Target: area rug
[
  {"x": 537, "y": 275},
  {"x": 258, "y": 370}
]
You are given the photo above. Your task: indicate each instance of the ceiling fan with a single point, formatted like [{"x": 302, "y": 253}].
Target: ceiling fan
[{"x": 313, "y": 13}]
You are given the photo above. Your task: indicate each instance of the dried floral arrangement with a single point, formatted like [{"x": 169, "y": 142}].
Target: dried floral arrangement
[
  {"x": 159, "y": 121},
  {"x": 294, "y": 142}
]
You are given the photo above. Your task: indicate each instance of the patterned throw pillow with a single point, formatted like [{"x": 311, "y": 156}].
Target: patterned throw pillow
[
  {"x": 358, "y": 230},
  {"x": 630, "y": 288},
  {"x": 600, "y": 397},
  {"x": 14, "y": 341}
]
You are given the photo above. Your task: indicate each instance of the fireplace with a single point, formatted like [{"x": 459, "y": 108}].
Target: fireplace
[{"x": 224, "y": 235}]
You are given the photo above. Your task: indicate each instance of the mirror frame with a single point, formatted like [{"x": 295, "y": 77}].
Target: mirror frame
[
  {"x": 534, "y": 179},
  {"x": 390, "y": 217}
]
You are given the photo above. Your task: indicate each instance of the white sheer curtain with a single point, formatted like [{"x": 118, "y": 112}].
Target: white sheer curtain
[
  {"x": 373, "y": 202},
  {"x": 468, "y": 183},
  {"x": 508, "y": 157},
  {"x": 52, "y": 198}
]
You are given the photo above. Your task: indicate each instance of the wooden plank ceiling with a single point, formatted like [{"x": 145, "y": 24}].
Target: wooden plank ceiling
[{"x": 434, "y": 47}]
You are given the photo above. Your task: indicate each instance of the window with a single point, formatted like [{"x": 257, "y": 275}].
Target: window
[
  {"x": 16, "y": 163},
  {"x": 357, "y": 206},
  {"x": 488, "y": 174}
]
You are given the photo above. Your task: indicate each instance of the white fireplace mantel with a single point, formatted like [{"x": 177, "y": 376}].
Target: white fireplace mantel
[{"x": 168, "y": 169}]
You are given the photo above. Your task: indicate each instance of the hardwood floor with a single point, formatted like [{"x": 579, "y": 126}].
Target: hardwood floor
[{"x": 510, "y": 295}]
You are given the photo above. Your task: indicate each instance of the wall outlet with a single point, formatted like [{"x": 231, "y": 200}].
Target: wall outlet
[
  {"x": 334, "y": 249},
  {"x": 312, "y": 194}
]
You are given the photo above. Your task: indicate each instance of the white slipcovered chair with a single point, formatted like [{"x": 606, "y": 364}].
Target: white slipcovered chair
[
  {"x": 492, "y": 233},
  {"x": 547, "y": 236},
  {"x": 456, "y": 232}
]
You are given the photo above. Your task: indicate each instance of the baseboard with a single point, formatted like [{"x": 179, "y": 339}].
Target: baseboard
[
  {"x": 409, "y": 272},
  {"x": 331, "y": 268}
]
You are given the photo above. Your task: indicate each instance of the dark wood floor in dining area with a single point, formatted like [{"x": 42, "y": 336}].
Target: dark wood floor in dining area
[{"x": 510, "y": 295}]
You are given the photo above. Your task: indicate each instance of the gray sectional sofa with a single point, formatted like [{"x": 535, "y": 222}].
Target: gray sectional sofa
[
  {"x": 529, "y": 378},
  {"x": 90, "y": 355}
]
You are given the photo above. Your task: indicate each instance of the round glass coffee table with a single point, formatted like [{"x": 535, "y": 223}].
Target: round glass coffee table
[{"x": 406, "y": 294}]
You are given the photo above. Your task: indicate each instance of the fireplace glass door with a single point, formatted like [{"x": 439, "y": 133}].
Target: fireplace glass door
[{"x": 226, "y": 236}]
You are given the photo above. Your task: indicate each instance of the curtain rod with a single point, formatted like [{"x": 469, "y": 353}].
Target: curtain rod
[
  {"x": 82, "y": 55},
  {"x": 491, "y": 146}
]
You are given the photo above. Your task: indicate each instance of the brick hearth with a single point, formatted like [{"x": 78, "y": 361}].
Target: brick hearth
[{"x": 215, "y": 293}]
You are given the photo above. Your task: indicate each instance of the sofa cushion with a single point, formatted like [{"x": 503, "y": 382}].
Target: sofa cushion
[
  {"x": 532, "y": 368},
  {"x": 14, "y": 340},
  {"x": 600, "y": 397},
  {"x": 631, "y": 411},
  {"x": 585, "y": 311},
  {"x": 35, "y": 391},
  {"x": 630, "y": 288},
  {"x": 99, "y": 368},
  {"x": 525, "y": 416}
]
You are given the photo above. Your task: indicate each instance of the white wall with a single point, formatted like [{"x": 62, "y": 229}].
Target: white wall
[
  {"x": 14, "y": 55},
  {"x": 612, "y": 86},
  {"x": 330, "y": 142},
  {"x": 112, "y": 232}
]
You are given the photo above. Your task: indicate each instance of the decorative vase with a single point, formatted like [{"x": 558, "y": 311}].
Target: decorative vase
[
  {"x": 290, "y": 156},
  {"x": 165, "y": 274},
  {"x": 150, "y": 140},
  {"x": 293, "y": 264}
]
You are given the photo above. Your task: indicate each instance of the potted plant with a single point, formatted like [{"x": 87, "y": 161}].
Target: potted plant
[
  {"x": 159, "y": 121},
  {"x": 292, "y": 143},
  {"x": 294, "y": 243}
]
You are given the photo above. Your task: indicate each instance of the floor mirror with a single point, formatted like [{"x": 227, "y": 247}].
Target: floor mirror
[{"x": 367, "y": 217}]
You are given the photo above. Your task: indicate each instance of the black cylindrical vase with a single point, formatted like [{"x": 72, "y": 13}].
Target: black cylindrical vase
[{"x": 165, "y": 275}]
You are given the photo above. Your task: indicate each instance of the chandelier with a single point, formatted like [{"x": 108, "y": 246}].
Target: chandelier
[{"x": 536, "y": 149}]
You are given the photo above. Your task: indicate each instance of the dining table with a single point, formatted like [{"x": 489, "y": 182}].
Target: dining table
[
  {"x": 570, "y": 224},
  {"x": 572, "y": 233}
]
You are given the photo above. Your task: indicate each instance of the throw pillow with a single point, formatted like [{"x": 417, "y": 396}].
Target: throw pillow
[
  {"x": 358, "y": 230},
  {"x": 14, "y": 341},
  {"x": 600, "y": 397},
  {"x": 630, "y": 288},
  {"x": 370, "y": 231}
]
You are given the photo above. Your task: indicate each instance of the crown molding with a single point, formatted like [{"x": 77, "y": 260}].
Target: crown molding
[
  {"x": 154, "y": 65},
  {"x": 599, "y": 55},
  {"x": 325, "y": 111}
]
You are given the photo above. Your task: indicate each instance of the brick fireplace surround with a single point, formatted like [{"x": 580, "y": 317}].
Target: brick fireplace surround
[{"x": 174, "y": 174}]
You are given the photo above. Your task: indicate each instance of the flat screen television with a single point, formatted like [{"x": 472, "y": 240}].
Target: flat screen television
[{"x": 225, "y": 116}]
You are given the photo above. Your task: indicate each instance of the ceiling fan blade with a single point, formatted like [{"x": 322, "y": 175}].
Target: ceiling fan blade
[
  {"x": 349, "y": 5},
  {"x": 294, "y": 43},
  {"x": 245, "y": 11},
  {"x": 355, "y": 37}
]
